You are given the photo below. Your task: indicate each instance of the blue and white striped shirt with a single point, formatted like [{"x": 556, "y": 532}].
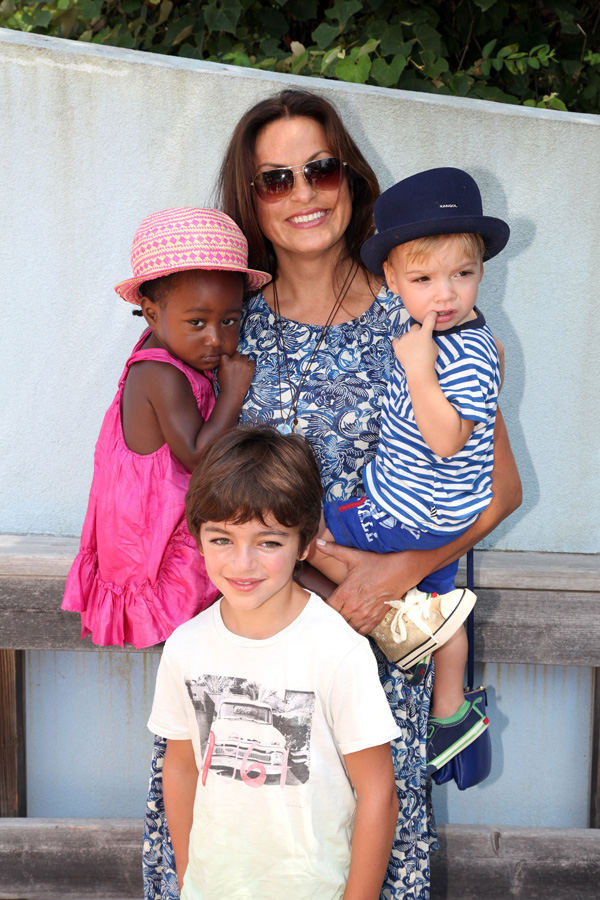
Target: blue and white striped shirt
[{"x": 406, "y": 478}]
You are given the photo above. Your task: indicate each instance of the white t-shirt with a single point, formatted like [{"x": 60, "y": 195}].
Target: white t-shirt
[{"x": 270, "y": 721}]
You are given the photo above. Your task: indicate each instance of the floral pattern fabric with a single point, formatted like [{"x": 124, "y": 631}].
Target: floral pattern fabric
[{"x": 338, "y": 393}]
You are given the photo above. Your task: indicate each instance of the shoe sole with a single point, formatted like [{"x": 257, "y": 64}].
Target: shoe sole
[
  {"x": 452, "y": 623},
  {"x": 434, "y": 764}
]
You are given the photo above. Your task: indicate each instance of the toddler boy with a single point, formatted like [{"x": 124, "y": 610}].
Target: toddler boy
[
  {"x": 278, "y": 776},
  {"x": 431, "y": 476}
]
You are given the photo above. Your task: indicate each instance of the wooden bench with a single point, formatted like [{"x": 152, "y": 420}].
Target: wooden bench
[{"x": 532, "y": 608}]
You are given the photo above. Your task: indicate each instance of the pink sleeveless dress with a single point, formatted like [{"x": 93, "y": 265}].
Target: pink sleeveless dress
[{"x": 138, "y": 573}]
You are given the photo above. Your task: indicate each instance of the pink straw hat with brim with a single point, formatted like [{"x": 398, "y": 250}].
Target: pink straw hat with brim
[{"x": 178, "y": 239}]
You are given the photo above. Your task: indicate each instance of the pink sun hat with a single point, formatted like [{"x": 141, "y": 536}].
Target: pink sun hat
[{"x": 178, "y": 239}]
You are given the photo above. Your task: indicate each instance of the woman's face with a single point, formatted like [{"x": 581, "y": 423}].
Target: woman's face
[{"x": 308, "y": 220}]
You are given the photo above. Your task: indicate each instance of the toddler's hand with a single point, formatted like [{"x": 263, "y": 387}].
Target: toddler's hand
[
  {"x": 235, "y": 373},
  {"x": 417, "y": 349}
]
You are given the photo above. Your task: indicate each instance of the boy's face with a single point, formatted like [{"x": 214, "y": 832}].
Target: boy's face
[
  {"x": 446, "y": 281},
  {"x": 252, "y": 564},
  {"x": 199, "y": 319}
]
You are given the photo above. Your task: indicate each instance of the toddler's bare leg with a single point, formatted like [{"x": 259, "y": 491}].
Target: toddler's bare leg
[
  {"x": 448, "y": 686},
  {"x": 334, "y": 569}
]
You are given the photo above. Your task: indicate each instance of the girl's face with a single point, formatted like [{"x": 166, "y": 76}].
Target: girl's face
[
  {"x": 199, "y": 319},
  {"x": 308, "y": 220}
]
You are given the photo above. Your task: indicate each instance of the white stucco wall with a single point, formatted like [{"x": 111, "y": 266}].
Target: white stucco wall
[{"x": 93, "y": 139}]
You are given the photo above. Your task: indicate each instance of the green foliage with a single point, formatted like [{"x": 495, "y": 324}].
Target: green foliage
[{"x": 542, "y": 54}]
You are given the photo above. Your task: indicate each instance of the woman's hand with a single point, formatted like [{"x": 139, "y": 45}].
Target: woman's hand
[{"x": 373, "y": 578}]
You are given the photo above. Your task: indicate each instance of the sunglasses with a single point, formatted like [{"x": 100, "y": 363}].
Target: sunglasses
[{"x": 321, "y": 174}]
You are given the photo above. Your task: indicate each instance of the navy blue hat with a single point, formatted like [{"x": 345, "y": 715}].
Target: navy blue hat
[{"x": 438, "y": 201}]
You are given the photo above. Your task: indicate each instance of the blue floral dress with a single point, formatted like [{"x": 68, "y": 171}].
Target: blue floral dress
[{"x": 336, "y": 395}]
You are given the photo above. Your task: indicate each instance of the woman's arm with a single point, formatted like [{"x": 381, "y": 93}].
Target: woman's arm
[
  {"x": 374, "y": 578},
  {"x": 180, "y": 777},
  {"x": 372, "y": 775}
]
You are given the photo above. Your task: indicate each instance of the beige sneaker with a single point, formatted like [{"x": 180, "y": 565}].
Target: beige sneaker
[{"x": 420, "y": 623}]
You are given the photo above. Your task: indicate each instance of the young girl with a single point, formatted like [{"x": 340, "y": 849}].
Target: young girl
[{"x": 138, "y": 574}]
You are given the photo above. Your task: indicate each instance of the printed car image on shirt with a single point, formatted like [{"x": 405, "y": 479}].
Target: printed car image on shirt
[{"x": 244, "y": 735}]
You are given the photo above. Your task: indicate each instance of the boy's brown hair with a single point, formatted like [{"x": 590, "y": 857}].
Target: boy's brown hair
[{"x": 252, "y": 472}]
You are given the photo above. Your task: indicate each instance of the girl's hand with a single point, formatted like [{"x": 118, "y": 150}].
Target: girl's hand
[
  {"x": 235, "y": 373},
  {"x": 417, "y": 349}
]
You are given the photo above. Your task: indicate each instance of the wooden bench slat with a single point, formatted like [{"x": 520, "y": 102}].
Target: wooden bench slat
[
  {"x": 100, "y": 858},
  {"x": 526, "y": 626},
  {"x": 47, "y": 555}
]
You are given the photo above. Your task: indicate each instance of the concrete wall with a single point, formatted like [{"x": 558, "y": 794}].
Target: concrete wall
[{"x": 93, "y": 139}]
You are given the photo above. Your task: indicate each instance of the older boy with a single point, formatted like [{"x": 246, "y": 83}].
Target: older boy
[
  {"x": 271, "y": 705},
  {"x": 431, "y": 476}
]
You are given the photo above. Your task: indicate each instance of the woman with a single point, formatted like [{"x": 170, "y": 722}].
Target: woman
[{"x": 320, "y": 335}]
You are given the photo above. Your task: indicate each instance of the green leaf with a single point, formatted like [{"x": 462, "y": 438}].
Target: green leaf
[
  {"x": 484, "y": 5},
  {"x": 358, "y": 72},
  {"x": 273, "y": 22},
  {"x": 460, "y": 84},
  {"x": 299, "y": 63},
  {"x": 185, "y": 32},
  {"x": 506, "y": 51},
  {"x": 387, "y": 75},
  {"x": 330, "y": 57},
  {"x": 376, "y": 29},
  {"x": 223, "y": 15},
  {"x": 369, "y": 47},
  {"x": 488, "y": 48},
  {"x": 166, "y": 8},
  {"x": 392, "y": 41},
  {"x": 429, "y": 39},
  {"x": 342, "y": 10},
  {"x": 90, "y": 9},
  {"x": 556, "y": 103},
  {"x": 42, "y": 18},
  {"x": 324, "y": 34},
  {"x": 432, "y": 66}
]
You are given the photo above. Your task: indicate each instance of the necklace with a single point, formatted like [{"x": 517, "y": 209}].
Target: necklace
[{"x": 285, "y": 427}]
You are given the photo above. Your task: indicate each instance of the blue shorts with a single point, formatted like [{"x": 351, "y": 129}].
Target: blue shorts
[{"x": 363, "y": 525}]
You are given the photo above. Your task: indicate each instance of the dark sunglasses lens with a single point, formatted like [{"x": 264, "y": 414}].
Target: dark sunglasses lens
[
  {"x": 324, "y": 174},
  {"x": 274, "y": 184}
]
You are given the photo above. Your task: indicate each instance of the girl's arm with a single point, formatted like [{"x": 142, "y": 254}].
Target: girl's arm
[
  {"x": 371, "y": 772},
  {"x": 169, "y": 412},
  {"x": 374, "y": 578},
  {"x": 180, "y": 776},
  {"x": 444, "y": 431}
]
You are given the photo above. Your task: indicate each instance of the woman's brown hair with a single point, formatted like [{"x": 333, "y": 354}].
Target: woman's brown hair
[{"x": 236, "y": 196}]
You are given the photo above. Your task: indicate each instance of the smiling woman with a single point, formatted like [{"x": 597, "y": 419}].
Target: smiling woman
[{"x": 320, "y": 336}]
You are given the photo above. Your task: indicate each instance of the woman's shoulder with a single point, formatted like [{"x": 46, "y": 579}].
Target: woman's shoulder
[{"x": 390, "y": 305}]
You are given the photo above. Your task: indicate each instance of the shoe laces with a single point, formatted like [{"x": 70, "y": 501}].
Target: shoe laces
[{"x": 414, "y": 606}]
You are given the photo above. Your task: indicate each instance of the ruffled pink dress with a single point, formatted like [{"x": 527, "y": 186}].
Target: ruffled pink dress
[{"x": 138, "y": 573}]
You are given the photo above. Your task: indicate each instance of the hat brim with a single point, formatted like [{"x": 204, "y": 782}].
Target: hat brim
[
  {"x": 495, "y": 233},
  {"x": 129, "y": 289}
]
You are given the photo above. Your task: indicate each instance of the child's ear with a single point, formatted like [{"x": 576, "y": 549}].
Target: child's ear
[
  {"x": 149, "y": 311},
  {"x": 390, "y": 277},
  {"x": 305, "y": 552}
]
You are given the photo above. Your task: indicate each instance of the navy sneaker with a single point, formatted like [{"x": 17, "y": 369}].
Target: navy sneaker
[{"x": 447, "y": 737}]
